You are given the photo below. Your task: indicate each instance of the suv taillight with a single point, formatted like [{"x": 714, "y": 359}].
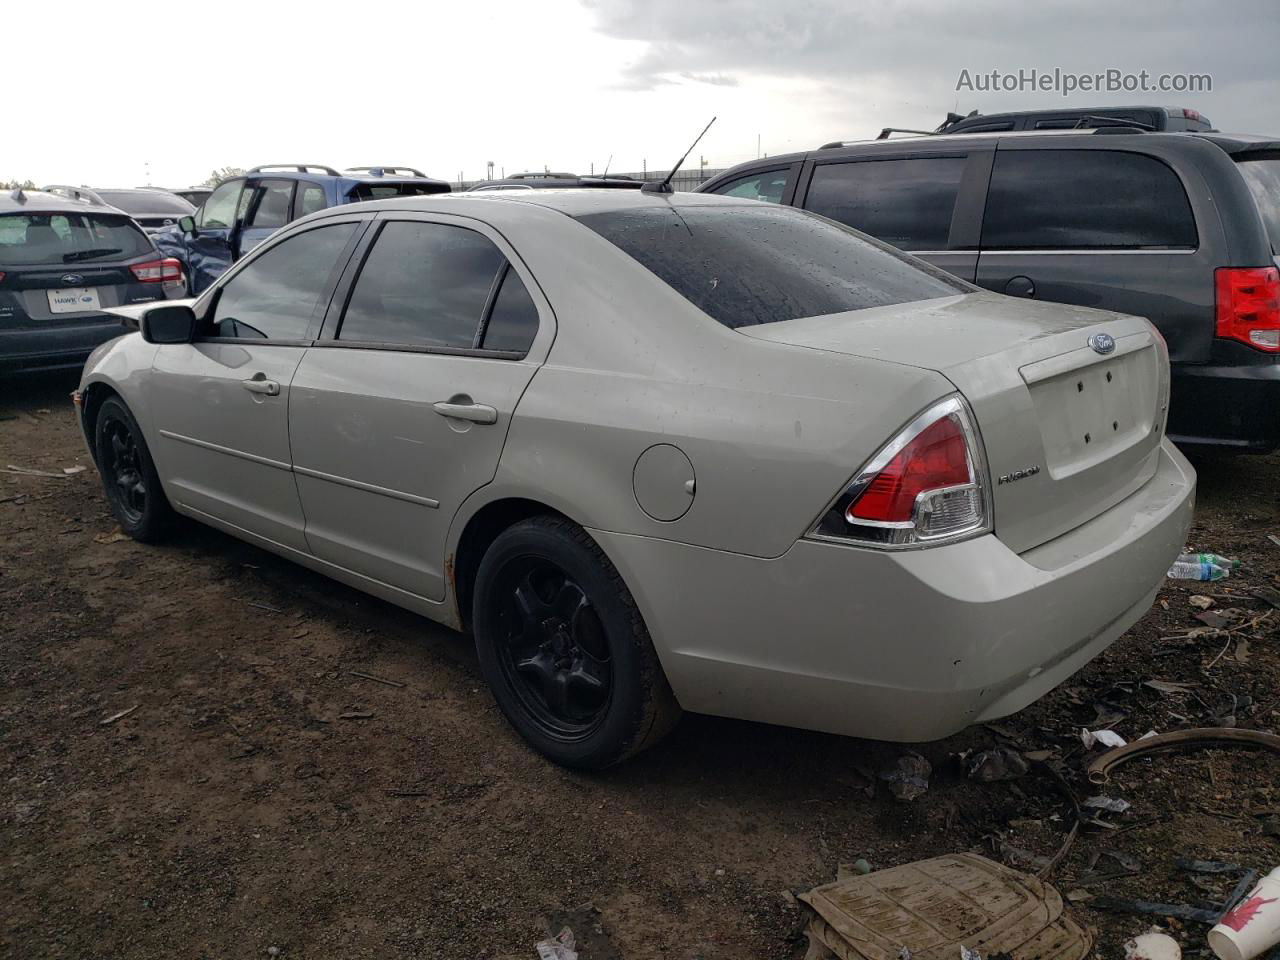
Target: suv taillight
[
  {"x": 926, "y": 486},
  {"x": 1248, "y": 306},
  {"x": 157, "y": 271}
]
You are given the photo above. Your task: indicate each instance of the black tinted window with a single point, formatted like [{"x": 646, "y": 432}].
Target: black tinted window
[
  {"x": 1069, "y": 199},
  {"x": 423, "y": 284},
  {"x": 514, "y": 319},
  {"x": 137, "y": 202},
  {"x": 1263, "y": 178},
  {"x": 276, "y": 295},
  {"x": 907, "y": 203},
  {"x": 745, "y": 264}
]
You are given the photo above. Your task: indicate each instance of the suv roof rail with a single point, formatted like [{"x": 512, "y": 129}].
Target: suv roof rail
[
  {"x": 1101, "y": 123},
  {"x": 75, "y": 193},
  {"x": 299, "y": 167},
  {"x": 884, "y": 134},
  {"x": 543, "y": 175},
  {"x": 387, "y": 170}
]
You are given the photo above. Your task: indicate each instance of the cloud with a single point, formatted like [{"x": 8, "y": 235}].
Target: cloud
[
  {"x": 915, "y": 50},
  {"x": 714, "y": 79}
]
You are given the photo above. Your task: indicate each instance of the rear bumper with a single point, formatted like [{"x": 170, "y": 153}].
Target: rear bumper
[
  {"x": 1236, "y": 407},
  {"x": 904, "y": 646},
  {"x": 63, "y": 347}
]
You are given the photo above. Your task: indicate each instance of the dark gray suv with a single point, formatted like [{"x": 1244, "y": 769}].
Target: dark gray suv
[{"x": 1181, "y": 228}]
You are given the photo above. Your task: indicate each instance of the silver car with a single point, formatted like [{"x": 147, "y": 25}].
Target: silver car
[{"x": 660, "y": 452}]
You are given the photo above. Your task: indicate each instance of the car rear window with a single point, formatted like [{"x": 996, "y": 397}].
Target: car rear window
[
  {"x": 1263, "y": 178},
  {"x": 36, "y": 238},
  {"x": 751, "y": 264},
  {"x": 139, "y": 202}
]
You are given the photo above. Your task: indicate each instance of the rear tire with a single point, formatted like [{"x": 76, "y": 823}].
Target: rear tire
[
  {"x": 129, "y": 476},
  {"x": 564, "y": 648}
]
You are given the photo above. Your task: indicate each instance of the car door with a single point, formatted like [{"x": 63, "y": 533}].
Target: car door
[
  {"x": 927, "y": 204},
  {"x": 1109, "y": 228},
  {"x": 221, "y": 403},
  {"x": 267, "y": 211},
  {"x": 210, "y": 247},
  {"x": 400, "y": 411}
]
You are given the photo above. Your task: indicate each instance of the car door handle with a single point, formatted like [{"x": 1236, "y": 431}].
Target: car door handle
[
  {"x": 475, "y": 412},
  {"x": 261, "y": 385}
]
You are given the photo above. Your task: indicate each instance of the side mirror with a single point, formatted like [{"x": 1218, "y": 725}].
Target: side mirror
[
  {"x": 187, "y": 224},
  {"x": 170, "y": 323}
]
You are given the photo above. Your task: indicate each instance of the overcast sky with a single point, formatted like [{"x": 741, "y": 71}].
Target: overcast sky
[{"x": 102, "y": 93}]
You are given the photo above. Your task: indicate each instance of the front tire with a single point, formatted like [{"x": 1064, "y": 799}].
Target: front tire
[
  {"x": 129, "y": 476},
  {"x": 564, "y": 648}
]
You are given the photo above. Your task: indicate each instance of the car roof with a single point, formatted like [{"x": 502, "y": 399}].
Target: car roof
[{"x": 38, "y": 201}]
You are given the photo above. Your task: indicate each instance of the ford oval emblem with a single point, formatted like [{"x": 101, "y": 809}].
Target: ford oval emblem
[
  {"x": 72, "y": 279},
  {"x": 1102, "y": 343}
]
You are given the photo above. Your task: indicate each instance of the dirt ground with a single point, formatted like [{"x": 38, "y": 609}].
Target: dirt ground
[{"x": 262, "y": 799}]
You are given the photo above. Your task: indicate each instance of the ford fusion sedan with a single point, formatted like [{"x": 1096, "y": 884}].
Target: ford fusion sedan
[{"x": 663, "y": 452}]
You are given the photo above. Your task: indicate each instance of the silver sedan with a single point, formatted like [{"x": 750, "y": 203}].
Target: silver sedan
[{"x": 659, "y": 452}]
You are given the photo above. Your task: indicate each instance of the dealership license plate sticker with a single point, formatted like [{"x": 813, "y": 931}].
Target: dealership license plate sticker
[{"x": 73, "y": 300}]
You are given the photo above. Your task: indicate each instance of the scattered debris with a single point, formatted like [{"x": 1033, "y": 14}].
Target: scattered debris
[
  {"x": 369, "y": 676},
  {"x": 356, "y": 715},
  {"x": 1180, "y": 911},
  {"x": 859, "y": 868},
  {"x": 1108, "y": 738},
  {"x": 1253, "y": 927},
  {"x": 984, "y": 908},
  {"x": 1274, "y": 539},
  {"x": 1109, "y": 804},
  {"x": 1200, "y": 602},
  {"x": 29, "y": 472},
  {"x": 1001, "y": 763},
  {"x": 72, "y": 471},
  {"x": 261, "y": 606},
  {"x": 1152, "y": 946},
  {"x": 560, "y": 947},
  {"x": 117, "y": 716},
  {"x": 1268, "y": 594},
  {"x": 908, "y": 777},
  {"x": 115, "y": 536},
  {"x": 1168, "y": 686},
  {"x": 1100, "y": 769}
]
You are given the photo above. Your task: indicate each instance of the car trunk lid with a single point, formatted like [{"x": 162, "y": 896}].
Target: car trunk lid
[{"x": 1068, "y": 430}]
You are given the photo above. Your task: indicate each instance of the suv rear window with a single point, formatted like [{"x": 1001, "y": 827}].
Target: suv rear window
[
  {"x": 380, "y": 191},
  {"x": 37, "y": 238},
  {"x": 751, "y": 264},
  {"x": 141, "y": 202},
  {"x": 1085, "y": 199},
  {"x": 1263, "y": 178}
]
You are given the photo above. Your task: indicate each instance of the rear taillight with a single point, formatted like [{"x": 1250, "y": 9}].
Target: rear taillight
[
  {"x": 926, "y": 486},
  {"x": 1248, "y": 306},
  {"x": 157, "y": 271}
]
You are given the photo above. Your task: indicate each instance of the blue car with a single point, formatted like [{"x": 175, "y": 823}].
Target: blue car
[{"x": 243, "y": 211}]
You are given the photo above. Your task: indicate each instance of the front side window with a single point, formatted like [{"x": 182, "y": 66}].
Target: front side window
[
  {"x": 768, "y": 186},
  {"x": 275, "y": 296},
  {"x": 422, "y": 285},
  {"x": 907, "y": 203},
  {"x": 219, "y": 208},
  {"x": 273, "y": 204},
  {"x": 746, "y": 264},
  {"x": 57, "y": 238},
  {"x": 1085, "y": 199}
]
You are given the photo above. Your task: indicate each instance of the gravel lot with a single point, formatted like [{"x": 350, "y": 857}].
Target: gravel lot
[{"x": 261, "y": 795}]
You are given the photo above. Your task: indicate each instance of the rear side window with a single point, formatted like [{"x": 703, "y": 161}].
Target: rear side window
[
  {"x": 275, "y": 295},
  {"x": 745, "y": 264},
  {"x": 907, "y": 203},
  {"x": 422, "y": 285},
  {"x": 57, "y": 238},
  {"x": 1263, "y": 178},
  {"x": 1085, "y": 199},
  {"x": 310, "y": 198},
  {"x": 272, "y": 208},
  {"x": 514, "y": 320},
  {"x": 767, "y": 186}
]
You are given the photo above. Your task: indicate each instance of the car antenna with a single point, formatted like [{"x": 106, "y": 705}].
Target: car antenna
[
  {"x": 607, "y": 165},
  {"x": 665, "y": 185}
]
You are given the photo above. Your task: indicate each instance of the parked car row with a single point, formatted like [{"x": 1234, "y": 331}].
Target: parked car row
[{"x": 1182, "y": 228}]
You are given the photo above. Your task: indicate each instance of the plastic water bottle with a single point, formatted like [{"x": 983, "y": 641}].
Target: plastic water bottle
[{"x": 1202, "y": 566}]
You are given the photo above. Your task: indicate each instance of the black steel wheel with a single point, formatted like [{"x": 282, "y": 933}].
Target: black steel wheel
[
  {"x": 128, "y": 474},
  {"x": 564, "y": 648}
]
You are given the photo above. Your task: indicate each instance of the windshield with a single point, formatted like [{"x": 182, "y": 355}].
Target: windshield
[
  {"x": 141, "y": 202},
  {"x": 57, "y": 238},
  {"x": 747, "y": 264},
  {"x": 1263, "y": 178}
]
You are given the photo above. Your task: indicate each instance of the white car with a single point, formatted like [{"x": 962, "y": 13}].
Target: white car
[{"x": 660, "y": 452}]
